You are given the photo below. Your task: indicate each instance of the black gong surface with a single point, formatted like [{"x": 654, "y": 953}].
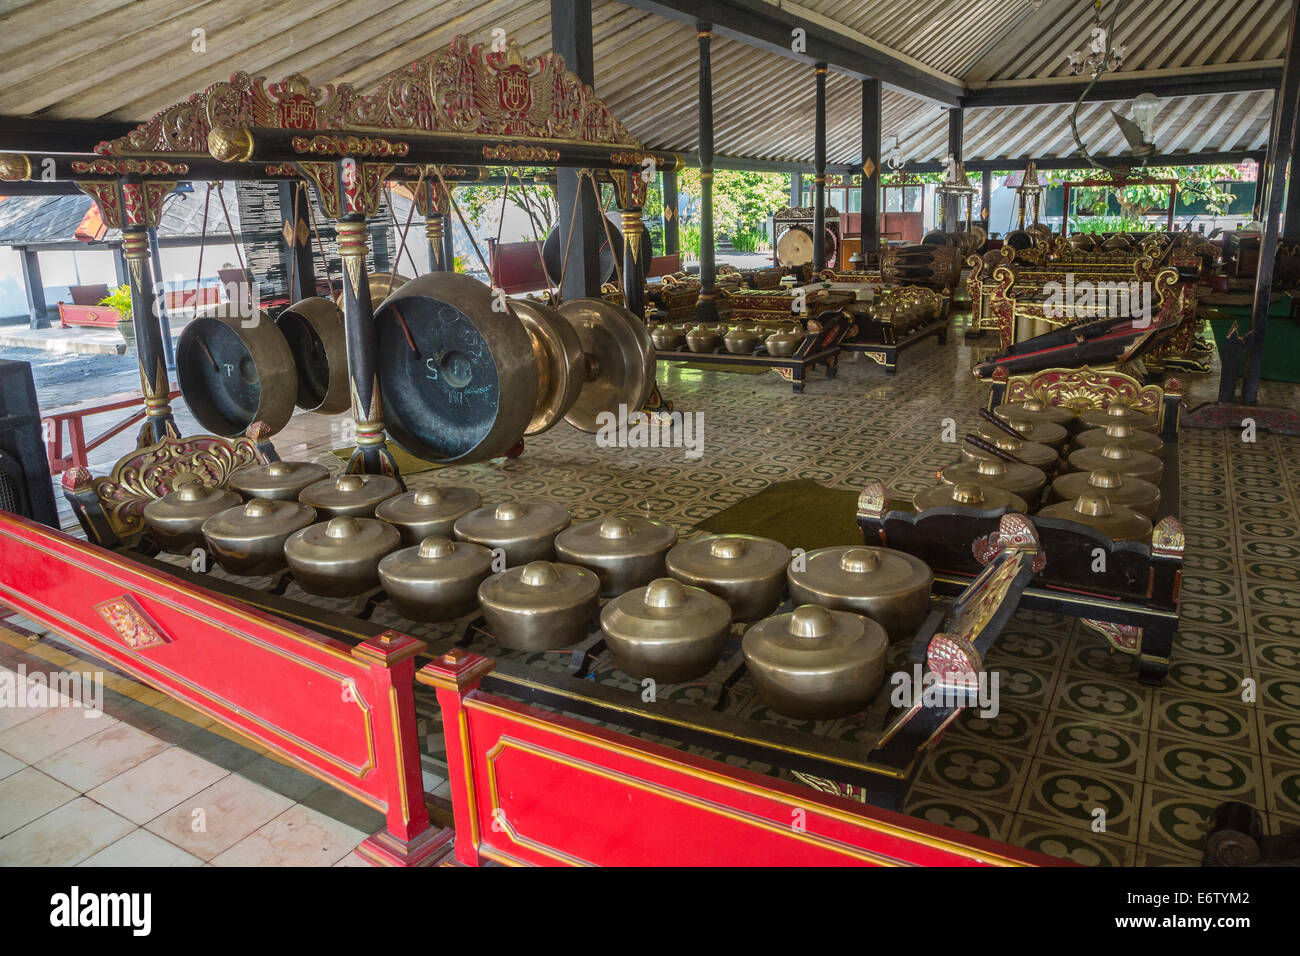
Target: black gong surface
[
  {"x": 553, "y": 252},
  {"x": 438, "y": 377},
  {"x": 309, "y": 357},
  {"x": 217, "y": 377}
]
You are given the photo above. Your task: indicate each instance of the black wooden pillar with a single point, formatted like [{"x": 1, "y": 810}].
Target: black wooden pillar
[
  {"x": 951, "y": 211},
  {"x": 571, "y": 39},
  {"x": 796, "y": 189},
  {"x": 819, "y": 174},
  {"x": 160, "y": 301},
  {"x": 449, "y": 244},
  {"x": 154, "y": 384},
  {"x": 871, "y": 91},
  {"x": 119, "y": 265},
  {"x": 299, "y": 265},
  {"x": 707, "y": 310},
  {"x": 672, "y": 232},
  {"x": 37, "y": 314},
  {"x": 1279, "y": 152}
]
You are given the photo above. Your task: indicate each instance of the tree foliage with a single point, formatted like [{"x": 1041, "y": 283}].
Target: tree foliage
[
  {"x": 741, "y": 199},
  {"x": 482, "y": 204},
  {"x": 1195, "y": 184}
]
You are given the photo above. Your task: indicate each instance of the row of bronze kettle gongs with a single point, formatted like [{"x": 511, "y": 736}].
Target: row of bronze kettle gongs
[
  {"x": 1111, "y": 477},
  {"x": 673, "y": 602}
]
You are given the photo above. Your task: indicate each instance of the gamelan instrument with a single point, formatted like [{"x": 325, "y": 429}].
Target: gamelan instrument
[
  {"x": 249, "y": 538},
  {"x": 1096, "y": 511},
  {"x": 353, "y": 496},
  {"x": 541, "y": 606},
  {"x": 524, "y": 530},
  {"x": 1118, "y": 458},
  {"x": 277, "y": 480},
  {"x": 666, "y": 631},
  {"x": 1120, "y": 433},
  {"x": 746, "y": 571},
  {"x": 1025, "y": 481},
  {"x": 176, "y": 519},
  {"x": 969, "y": 494},
  {"x": 815, "y": 663},
  {"x": 890, "y": 587},
  {"x": 625, "y": 553},
  {"x": 435, "y": 580},
  {"x": 1142, "y": 496},
  {"x": 428, "y": 512},
  {"x": 340, "y": 557}
]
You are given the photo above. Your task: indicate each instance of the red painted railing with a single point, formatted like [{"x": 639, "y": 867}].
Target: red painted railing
[
  {"x": 344, "y": 714},
  {"x": 533, "y": 787},
  {"x": 52, "y": 429}
]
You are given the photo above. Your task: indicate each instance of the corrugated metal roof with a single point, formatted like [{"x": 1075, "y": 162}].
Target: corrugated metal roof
[{"x": 128, "y": 59}]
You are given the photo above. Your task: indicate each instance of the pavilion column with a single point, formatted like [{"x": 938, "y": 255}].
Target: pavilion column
[
  {"x": 154, "y": 384},
  {"x": 951, "y": 211},
  {"x": 298, "y": 261},
  {"x": 164, "y": 321},
  {"x": 707, "y": 310},
  {"x": 38, "y": 314},
  {"x": 371, "y": 455},
  {"x": 819, "y": 175},
  {"x": 634, "y": 269},
  {"x": 433, "y": 202},
  {"x": 448, "y": 244},
  {"x": 571, "y": 39},
  {"x": 119, "y": 265},
  {"x": 672, "y": 233},
  {"x": 796, "y": 189},
  {"x": 1279, "y": 151},
  {"x": 871, "y": 93}
]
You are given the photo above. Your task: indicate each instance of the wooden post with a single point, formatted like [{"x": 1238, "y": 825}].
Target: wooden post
[
  {"x": 707, "y": 309},
  {"x": 455, "y": 675},
  {"x": 298, "y": 260},
  {"x": 951, "y": 211},
  {"x": 634, "y": 270},
  {"x": 571, "y": 39},
  {"x": 37, "y": 313},
  {"x": 819, "y": 174},
  {"x": 796, "y": 189},
  {"x": 672, "y": 215},
  {"x": 371, "y": 455},
  {"x": 160, "y": 297},
  {"x": 408, "y": 838},
  {"x": 871, "y": 161},
  {"x": 1279, "y": 148}
]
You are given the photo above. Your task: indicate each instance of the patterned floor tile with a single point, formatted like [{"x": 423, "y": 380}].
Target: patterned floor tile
[
  {"x": 1103, "y": 700},
  {"x": 1077, "y": 845},
  {"x": 1106, "y": 747},
  {"x": 1282, "y": 780},
  {"x": 1083, "y": 797},
  {"x": 982, "y": 772},
  {"x": 1175, "y": 821},
  {"x": 1193, "y": 767},
  {"x": 940, "y": 807}
]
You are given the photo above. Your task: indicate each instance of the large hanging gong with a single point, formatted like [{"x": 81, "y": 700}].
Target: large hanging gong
[
  {"x": 313, "y": 328},
  {"x": 458, "y": 378},
  {"x": 619, "y": 361},
  {"x": 610, "y": 259},
  {"x": 234, "y": 370},
  {"x": 561, "y": 367}
]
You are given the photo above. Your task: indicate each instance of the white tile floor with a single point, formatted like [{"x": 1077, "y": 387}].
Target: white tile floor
[{"x": 95, "y": 791}]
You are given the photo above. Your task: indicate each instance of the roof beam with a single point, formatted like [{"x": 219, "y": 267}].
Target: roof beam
[
  {"x": 1078, "y": 162},
  {"x": 769, "y": 27},
  {"x": 1182, "y": 81}
]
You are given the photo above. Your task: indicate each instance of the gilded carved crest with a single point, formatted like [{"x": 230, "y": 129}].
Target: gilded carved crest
[
  {"x": 1085, "y": 388},
  {"x": 152, "y": 472},
  {"x": 464, "y": 89}
]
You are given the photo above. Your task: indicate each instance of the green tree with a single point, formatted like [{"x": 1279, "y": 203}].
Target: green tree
[
  {"x": 741, "y": 200},
  {"x": 1195, "y": 184},
  {"x": 482, "y": 204}
]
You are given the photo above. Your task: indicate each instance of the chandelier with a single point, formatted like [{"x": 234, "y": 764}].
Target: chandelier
[
  {"x": 894, "y": 158},
  {"x": 1101, "y": 53}
]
